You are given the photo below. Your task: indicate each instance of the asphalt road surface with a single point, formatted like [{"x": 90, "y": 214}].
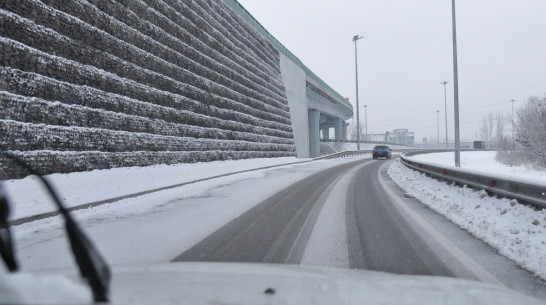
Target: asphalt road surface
[{"x": 353, "y": 216}]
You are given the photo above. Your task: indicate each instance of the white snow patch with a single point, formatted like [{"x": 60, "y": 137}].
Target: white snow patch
[
  {"x": 159, "y": 226},
  {"x": 29, "y": 198},
  {"x": 516, "y": 230},
  {"x": 327, "y": 245},
  {"x": 484, "y": 162}
]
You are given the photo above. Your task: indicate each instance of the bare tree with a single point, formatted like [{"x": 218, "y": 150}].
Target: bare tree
[
  {"x": 486, "y": 128},
  {"x": 490, "y": 125},
  {"x": 352, "y": 130},
  {"x": 484, "y": 131},
  {"x": 500, "y": 120},
  {"x": 492, "y": 128},
  {"x": 530, "y": 128}
]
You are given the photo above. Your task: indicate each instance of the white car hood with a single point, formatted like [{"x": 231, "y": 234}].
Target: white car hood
[{"x": 248, "y": 283}]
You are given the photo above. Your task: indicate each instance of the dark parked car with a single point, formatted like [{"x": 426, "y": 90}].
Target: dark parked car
[{"x": 381, "y": 151}]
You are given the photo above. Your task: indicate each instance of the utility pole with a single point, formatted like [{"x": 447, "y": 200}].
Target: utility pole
[
  {"x": 438, "y": 125},
  {"x": 445, "y": 106},
  {"x": 366, "y": 121},
  {"x": 513, "y": 140},
  {"x": 456, "y": 89},
  {"x": 355, "y": 39}
]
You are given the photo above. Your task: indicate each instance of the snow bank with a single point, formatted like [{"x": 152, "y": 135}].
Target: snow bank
[
  {"x": 484, "y": 162},
  {"x": 516, "y": 230},
  {"x": 29, "y": 198}
]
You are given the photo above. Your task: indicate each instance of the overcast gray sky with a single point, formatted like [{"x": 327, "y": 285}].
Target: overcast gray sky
[{"x": 407, "y": 51}]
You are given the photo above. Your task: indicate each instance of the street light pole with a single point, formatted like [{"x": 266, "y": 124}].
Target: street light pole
[
  {"x": 366, "y": 121},
  {"x": 438, "y": 125},
  {"x": 445, "y": 106},
  {"x": 456, "y": 89},
  {"x": 513, "y": 121},
  {"x": 355, "y": 39}
]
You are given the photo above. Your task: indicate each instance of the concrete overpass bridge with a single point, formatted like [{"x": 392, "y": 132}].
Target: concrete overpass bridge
[{"x": 315, "y": 107}]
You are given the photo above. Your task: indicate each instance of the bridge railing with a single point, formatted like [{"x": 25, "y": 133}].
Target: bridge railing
[{"x": 527, "y": 192}]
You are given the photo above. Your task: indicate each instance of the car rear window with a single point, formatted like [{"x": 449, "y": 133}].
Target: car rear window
[{"x": 381, "y": 147}]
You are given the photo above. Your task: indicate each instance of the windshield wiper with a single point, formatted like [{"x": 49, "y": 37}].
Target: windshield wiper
[
  {"x": 92, "y": 266},
  {"x": 6, "y": 242}
]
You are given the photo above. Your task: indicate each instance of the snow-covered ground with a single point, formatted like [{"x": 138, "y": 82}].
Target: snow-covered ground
[
  {"x": 484, "y": 161},
  {"x": 132, "y": 230},
  {"x": 86, "y": 187},
  {"x": 516, "y": 230}
]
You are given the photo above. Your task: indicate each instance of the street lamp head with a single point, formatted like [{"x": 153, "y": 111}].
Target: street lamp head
[
  {"x": 444, "y": 82},
  {"x": 357, "y": 37}
]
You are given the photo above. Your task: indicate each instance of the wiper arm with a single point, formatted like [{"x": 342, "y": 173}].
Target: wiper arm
[
  {"x": 91, "y": 264},
  {"x": 6, "y": 242}
]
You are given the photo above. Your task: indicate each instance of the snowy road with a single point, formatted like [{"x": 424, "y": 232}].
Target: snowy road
[
  {"x": 342, "y": 213},
  {"x": 368, "y": 233},
  {"x": 353, "y": 215}
]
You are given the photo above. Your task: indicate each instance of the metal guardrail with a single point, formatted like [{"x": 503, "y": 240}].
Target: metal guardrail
[
  {"x": 528, "y": 193},
  {"x": 345, "y": 154},
  {"x": 354, "y": 153}
]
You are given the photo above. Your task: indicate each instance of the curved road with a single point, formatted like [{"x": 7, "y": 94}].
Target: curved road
[{"x": 352, "y": 215}]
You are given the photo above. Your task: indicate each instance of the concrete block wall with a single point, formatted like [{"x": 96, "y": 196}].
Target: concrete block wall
[{"x": 99, "y": 84}]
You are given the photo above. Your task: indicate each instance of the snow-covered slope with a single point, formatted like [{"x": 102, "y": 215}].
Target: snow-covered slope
[{"x": 100, "y": 84}]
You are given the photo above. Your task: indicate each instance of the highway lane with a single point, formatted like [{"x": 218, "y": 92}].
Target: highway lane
[
  {"x": 277, "y": 230},
  {"x": 267, "y": 232},
  {"x": 375, "y": 228},
  {"x": 381, "y": 238}
]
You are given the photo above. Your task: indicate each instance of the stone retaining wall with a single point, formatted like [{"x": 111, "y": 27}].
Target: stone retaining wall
[{"x": 99, "y": 84}]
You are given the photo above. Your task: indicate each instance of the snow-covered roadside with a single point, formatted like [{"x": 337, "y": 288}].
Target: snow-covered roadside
[
  {"x": 516, "y": 230},
  {"x": 484, "y": 161},
  {"x": 27, "y": 195},
  {"x": 159, "y": 226}
]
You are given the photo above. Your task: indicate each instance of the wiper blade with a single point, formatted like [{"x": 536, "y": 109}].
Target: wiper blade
[
  {"x": 92, "y": 266},
  {"x": 90, "y": 263},
  {"x": 6, "y": 242}
]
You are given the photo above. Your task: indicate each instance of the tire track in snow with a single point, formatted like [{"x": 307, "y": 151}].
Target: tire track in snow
[{"x": 327, "y": 245}]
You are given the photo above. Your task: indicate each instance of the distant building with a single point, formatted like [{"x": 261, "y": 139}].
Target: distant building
[
  {"x": 400, "y": 137},
  {"x": 374, "y": 138},
  {"x": 397, "y": 137}
]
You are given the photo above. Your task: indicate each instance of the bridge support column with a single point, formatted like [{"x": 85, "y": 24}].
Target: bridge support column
[
  {"x": 338, "y": 125},
  {"x": 314, "y": 133},
  {"x": 325, "y": 133},
  {"x": 344, "y": 131}
]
